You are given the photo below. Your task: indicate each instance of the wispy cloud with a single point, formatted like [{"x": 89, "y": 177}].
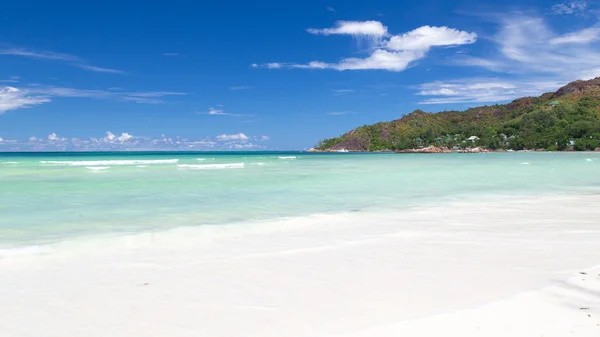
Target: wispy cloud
[
  {"x": 482, "y": 90},
  {"x": 170, "y": 54},
  {"x": 220, "y": 112},
  {"x": 339, "y": 113},
  {"x": 240, "y": 87},
  {"x": 569, "y": 8},
  {"x": 48, "y": 55},
  {"x": 12, "y": 98},
  {"x": 331, "y": 9},
  {"x": 239, "y": 136},
  {"x": 72, "y": 60},
  {"x": 579, "y": 37},
  {"x": 339, "y": 92},
  {"x": 272, "y": 65},
  {"x": 354, "y": 28},
  {"x": 390, "y": 52},
  {"x": 526, "y": 45},
  {"x": 99, "y": 69}
]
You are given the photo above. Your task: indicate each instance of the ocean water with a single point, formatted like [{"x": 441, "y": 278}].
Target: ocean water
[{"x": 47, "y": 198}]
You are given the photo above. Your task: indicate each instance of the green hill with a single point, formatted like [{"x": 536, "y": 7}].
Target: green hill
[{"x": 567, "y": 119}]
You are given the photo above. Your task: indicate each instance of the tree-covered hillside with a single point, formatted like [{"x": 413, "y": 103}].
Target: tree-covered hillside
[{"x": 566, "y": 119}]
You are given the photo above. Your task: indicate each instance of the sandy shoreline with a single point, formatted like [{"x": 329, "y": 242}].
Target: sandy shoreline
[{"x": 471, "y": 269}]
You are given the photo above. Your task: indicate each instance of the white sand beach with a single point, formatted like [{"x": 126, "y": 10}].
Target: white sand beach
[{"x": 508, "y": 267}]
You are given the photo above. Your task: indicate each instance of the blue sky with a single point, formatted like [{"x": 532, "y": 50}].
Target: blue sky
[{"x": 272, "y": 74}]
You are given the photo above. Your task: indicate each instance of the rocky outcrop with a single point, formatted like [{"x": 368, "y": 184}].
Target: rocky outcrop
[
  {"x": 578, "y": 86},
  {"x": 351, "y": 143},
  {"x": 474, "y": 150},
  {"x": 597, "y": 149},
  {"x": 429, "y": 149}
]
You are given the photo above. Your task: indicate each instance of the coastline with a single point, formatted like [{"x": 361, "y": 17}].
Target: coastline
[
  {"x": 442, "y": 149},
  {"x": 351, "y": 274}
]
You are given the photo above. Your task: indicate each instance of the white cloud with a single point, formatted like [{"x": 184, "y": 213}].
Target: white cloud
[
  {"x": 72, "y": 60},
  {"x": 482, "y": 90},
  {"x": 265, "y": 138},
  {"x": 219, "y": 112},
  {"x": 41, "y": 55},
  {"x": 43, "y": 93},
  {"x": 1, "y": 140},
  {"x": 240, "y": 87},
  {"x": 354, "y": 28},
  {"x": 529, "y": 48},
  {"x": 423, "y": 38},
  {"x": 379, "y": 60},
  {"x": 331, "y": 9},
  {"x": 272, "y": 65},
  {"x": 12, "y": 98},
  {"x": 128, "y": 142},
  {"x": 112, "y": 138},
  {"x": 239, "y": 136},
  {"x": 580, "y": 37},
  {"x": 343, "y": 91},
  {"x": 394, "y": 54},
  {"x": 100, "y": 69},
  {"x": 124, "y": 137},
  {"x": 338, "y": 113},
  {"x": 212, "y": 111},
  {"x": 568, "y": 8}
]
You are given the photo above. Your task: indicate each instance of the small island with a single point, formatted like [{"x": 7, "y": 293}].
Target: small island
[{"x": 565, "y": 120}]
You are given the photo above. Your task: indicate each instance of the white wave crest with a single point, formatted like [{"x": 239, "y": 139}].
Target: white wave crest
[
  {"x": 288, "y": 157},
  {"x": 98, "y": 168},
  {"x": 21, "y": 251},
  {"x": 111, "y": 162},
  {"x": 212, "y": 166},
  {"x": 9, "y": 162}
]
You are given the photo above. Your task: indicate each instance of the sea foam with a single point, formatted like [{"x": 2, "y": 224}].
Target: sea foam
[
  {"x": 110, "y": 162},
  {"x": 212, "y": 166},
  {"x": 287, "y": 157},
  {"x": 98, "y": 168}
]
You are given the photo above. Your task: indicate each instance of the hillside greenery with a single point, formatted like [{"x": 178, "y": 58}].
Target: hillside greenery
[{"x": 570, "y": 122}]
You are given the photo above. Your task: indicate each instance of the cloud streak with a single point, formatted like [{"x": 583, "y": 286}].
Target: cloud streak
[
  {"x": 526, "y": 45},
  {"x": 12, "y": 98},
  {"x": 72, "y": 60},
  {"x": 354, "y": 28},
  {"x": 569, "y": 8},
  {"x": 482, "y": 90},
  {"x": 220, "y": 112}
]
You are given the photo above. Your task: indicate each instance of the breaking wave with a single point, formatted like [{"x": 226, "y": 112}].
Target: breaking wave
[
  {"x": 212, "y": 166},
  {"x": 110, "y": 162}
]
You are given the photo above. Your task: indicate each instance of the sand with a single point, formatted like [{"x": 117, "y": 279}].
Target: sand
[{"x": 506, "y": 267}]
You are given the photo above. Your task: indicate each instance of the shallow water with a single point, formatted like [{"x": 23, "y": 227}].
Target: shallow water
[{"x": 49, "y": 197}]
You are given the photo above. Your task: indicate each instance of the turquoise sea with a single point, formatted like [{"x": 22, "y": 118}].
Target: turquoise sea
[{"x": 50, "y": 197}]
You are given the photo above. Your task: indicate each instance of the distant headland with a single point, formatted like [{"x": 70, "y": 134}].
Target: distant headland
[{"x": 565, "y": 120}]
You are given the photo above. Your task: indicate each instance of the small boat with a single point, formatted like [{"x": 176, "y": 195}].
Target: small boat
[{"x": 343, "y": 150}]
